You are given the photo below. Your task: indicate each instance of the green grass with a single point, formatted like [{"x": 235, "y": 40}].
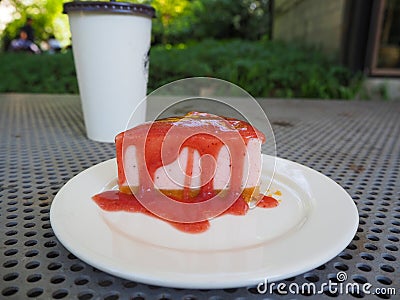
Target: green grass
[
  {"x": 28, "y": 73},
  {"x": 263, "y": 68}
]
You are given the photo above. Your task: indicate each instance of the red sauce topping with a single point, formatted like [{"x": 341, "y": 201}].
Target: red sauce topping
[
  {"x": 158, "y": 144},
  {"x": 117, "y": 201},
  {"x": 267, "y": 202},
  {"x": 157, "y": 141}
]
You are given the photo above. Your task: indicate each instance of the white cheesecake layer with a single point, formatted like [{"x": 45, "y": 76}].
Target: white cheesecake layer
[{"x": 173, "y": 176}]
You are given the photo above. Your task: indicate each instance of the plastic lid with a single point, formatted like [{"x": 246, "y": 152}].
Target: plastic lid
[{"x": 110, "y": 7}]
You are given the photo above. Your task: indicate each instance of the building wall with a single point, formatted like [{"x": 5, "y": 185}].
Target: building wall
[{"x": 310, "y": 22}]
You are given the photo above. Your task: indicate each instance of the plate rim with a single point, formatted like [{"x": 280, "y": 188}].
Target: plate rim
[{"x": 199, "y": 281}]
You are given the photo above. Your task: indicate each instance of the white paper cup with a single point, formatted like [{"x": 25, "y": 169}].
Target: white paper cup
[{"x": 111, "y": 43}]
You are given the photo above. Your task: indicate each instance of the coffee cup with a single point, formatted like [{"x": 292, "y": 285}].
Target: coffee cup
[{"x": 111, "y": 44}]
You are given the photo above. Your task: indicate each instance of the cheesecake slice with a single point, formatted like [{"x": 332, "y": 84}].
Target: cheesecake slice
[{"x": 190, "y": 158}]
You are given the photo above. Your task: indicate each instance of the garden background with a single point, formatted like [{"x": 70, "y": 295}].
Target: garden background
[{"x": 216, "y": 38}]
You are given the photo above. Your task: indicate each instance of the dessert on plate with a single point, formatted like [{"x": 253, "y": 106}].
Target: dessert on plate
[
  {"x": 171, "y": 153},
  {"x": 211, "y": 162}
]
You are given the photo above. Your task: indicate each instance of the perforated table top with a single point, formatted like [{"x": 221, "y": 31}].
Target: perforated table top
[{"x": 43, "y": 145}]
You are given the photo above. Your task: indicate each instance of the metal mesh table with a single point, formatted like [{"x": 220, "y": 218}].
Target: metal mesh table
[{"x": 43, "y": 145}]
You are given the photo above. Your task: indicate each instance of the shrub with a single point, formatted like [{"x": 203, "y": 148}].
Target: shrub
[
  {"x": 263, "y": 68},
  {"x": 29, "y": 73}
]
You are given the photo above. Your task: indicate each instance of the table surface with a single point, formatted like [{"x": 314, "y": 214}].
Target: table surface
[{"x": 43, "y": 145}]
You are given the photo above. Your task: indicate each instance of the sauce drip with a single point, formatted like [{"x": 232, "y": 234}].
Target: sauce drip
[
  {"x": 117, "y": 201},
  {"x": 267, "y": 202}
]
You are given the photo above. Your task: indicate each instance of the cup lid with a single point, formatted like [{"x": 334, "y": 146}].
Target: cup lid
[{"x": 110, "y": 7}]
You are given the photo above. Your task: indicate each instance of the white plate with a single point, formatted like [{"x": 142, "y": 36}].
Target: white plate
[{"x": 315, "y": 221}]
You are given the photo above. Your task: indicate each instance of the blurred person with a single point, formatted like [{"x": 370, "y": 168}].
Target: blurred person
[
  {"x": 54, "y": 45},
  {"x": 22, "y": 43},
  {"x": 29, "y": 29}
]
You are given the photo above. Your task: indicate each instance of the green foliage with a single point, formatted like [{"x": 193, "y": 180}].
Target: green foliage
[
  {"x": 28, "y": 73},
  {"x": 47, "y": 20},
  {"x": 174, "y": 21},
  {"x": 177, "y": 20},
  {"x": 182, "y": 20},
  {"x": 222, "y": 19},
  {"x": 263, "y": 68}
]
